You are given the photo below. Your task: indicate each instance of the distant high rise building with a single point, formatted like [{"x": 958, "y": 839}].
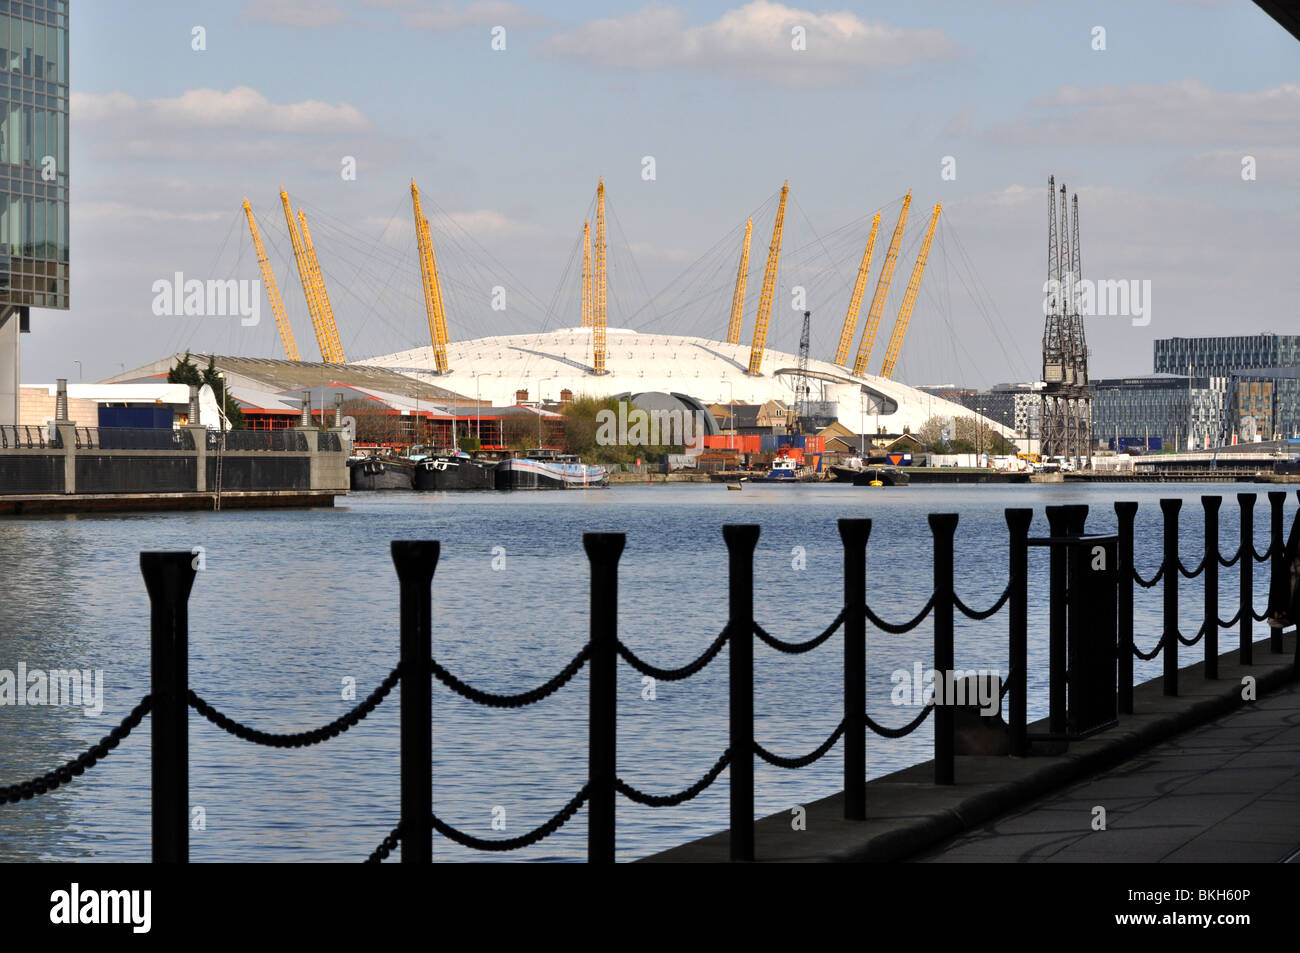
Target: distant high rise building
[{"x": 33, "y": 176}]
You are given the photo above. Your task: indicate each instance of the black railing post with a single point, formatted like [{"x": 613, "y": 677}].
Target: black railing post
[
  {"x": 943, "y": 527},
  {"x": 169, "y": 577},
  {"x": 415, "y": 561},
  {"x": 1058, "y": 526},
  {"x": 741, "y": 541},
  {"x": 1279, "y": 588},
  {"x": 1211, "y": 505},
  {"x": 1170, "y": 507},
  {"x": 1246, "y": 584},
  {"x": 1077, "y": 561},
  {"x": 1125, "y": 512},
  {"x": 1018, "y": 521},
  {"x": 603, "y": 552},
  {"x": 854, "y": 533}
]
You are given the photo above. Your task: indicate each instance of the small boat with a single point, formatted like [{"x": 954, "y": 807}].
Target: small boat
[
  {"x": 733, "y": 486},
  {"x": 549, "y": 470},
  {"x": 784, "y": 469}
]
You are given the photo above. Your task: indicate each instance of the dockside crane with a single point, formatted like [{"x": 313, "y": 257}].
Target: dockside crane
[
  {"x": 586, "y": 274},
  {"x": 433, "y": 304},
  {"x": 272, "y": 289},
  {"x": 769, "y": 287},
  {"x": 738, "y": 296},
  {"x": 322, "y": 297},
  {"x": 331, "y": 351},
  {"x": 909, "y": 299},
  {"x": 882, "y": 292},
  {"x": 855, "y": 302},
  {"x": 598, "y": 312}
]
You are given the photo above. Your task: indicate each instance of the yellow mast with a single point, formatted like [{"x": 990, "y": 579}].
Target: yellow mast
[
  {"x": 855, "y": 303},
  {"x": 769, "y": 287},
  {"x": 909, "y": 299},
  {"x": 322, "y": 298},
  {"x": 433, "y": 305},
  {"x": 882, "y": 291},
  {"x": 304, "y": 275},
  {"x": 272, "y": 289},
  {"x": 598, "y": 320},
  {"x": 586, "y": 274},
  {"x": 738, "y": 297}
]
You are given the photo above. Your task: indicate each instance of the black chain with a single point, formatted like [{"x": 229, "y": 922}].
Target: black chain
[
  {"x": 13, "y": 793},
  {"x": 303, "y": 738},
  {"x": 681, "y": 797},
  {"x": 513, "y": 701},
  {"x": 386, "y": 846},
  {"x": 1154, "y": 652},
  {"x": 675, "y": 674},
  {"x": 1258, "y": 618},
  {"x": 1192, "y": 574},
  {"x": 1266, "y": 554},
  {"x": 880, "y": 623},
  {"x": 797, "y": 648},
  {"x": 513, "y": 843},
  {"x": 992, "y": 610},
  {"x": 1137, "y": 576},
  {"x": 1233, "y": 560},
  {"x": 905, "y": 730},
  {"x": 807, "y": 759},
  {"x": 1231, "y": 622},
  {"x": 1194, "y": 639}
]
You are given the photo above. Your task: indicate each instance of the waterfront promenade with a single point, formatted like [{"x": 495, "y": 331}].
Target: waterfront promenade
[{"x": 1202, "y": 776}]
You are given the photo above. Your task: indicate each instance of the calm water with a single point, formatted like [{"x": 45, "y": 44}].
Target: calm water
[{"x": 293, "y": 602}]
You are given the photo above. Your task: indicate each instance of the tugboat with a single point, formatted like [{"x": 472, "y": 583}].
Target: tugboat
[
  {"x": 456, "y": 470},
  {"x": 380, "y": 473},
  {"x": 549, "y": 470},
  {"x": 784, "y": 469}
]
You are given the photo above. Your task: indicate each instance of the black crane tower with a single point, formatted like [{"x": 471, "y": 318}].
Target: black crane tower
[{"x": 1066, "y": 398}]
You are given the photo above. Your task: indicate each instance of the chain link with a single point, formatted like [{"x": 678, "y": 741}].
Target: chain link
[
  {"x": 512, "y": 701},
  {"x": 880, "y": 623},
  {"x": 386, "y": 846},
  {"x": 1137, "y": 577},
  {"x": 13, "y": 793},
  {"x": 992, "y": 610},
  {"x": 1154, "y": 652},
  {"x": 807, "y": 759},
  {"x": 303, "y": 738},
  {"x": 514, "y": 843},
  {"x": 904, "y": 731},
  {"x": 675, "y": 674},
  {"x": 1192, "y": 574},
  {"x": 798, "y": 648},
  {"x": 681, "y": 797},
  {"x": 1231, "y": 562}
]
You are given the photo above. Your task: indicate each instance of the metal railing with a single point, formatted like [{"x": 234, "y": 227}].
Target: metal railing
[
  {"x": 132, "y": 438},
  {"x": 170, "y": 575},
  {"x": 283, "y": 441},
  {"x": 26, "y": 437}
]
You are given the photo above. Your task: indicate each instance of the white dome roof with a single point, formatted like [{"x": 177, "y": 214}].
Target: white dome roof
[{"x": 547, "y": 362}]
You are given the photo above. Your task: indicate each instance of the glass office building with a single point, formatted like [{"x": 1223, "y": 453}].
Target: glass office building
[
  {"x": 33, "y": 175},
  {"x": 1156, "y": 413}
]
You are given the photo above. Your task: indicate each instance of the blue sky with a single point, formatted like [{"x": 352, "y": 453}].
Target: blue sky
[{"x": 507, "y": 147}]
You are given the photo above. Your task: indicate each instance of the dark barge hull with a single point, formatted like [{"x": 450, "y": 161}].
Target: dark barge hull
[
  {"x": 446, "y": 474},
  {"x": 379, "y": 475}
]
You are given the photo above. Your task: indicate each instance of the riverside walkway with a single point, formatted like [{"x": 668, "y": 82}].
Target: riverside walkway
[
  {"x": 1228, "y": 791},
  {"x": 1201, "y": 776}
]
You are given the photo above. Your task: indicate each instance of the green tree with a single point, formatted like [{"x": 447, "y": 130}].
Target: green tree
[{"x": 187, "y": 372}]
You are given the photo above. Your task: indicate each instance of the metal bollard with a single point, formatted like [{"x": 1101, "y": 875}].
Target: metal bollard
[
  {"x": 854, "y": 534},
  {"x": 603, "y": 552},
  {"x": 169, "y": 577},
  {"x": 416, "y": 561},
  {"x": 943, "y": 527},
  {"x": 1018, "y": 521},
  {"x": 741, "y": 541}
]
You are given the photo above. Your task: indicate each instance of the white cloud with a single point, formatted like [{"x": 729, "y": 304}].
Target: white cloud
[
  {"x": 1181, "y": 112},
  {"x": 241, "y": 108},
  {"x": 754, "y": 41},
  {"x": 427, "y": 15}
]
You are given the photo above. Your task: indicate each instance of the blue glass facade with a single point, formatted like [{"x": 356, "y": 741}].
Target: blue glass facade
[{"x": 34, "y": 153}]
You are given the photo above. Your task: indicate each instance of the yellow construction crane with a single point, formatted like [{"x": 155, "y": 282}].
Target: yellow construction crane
[
  {"x": 738, "y": 297},
  {"x": 909, "y": 299},
  {"x": 330, "y": 351},
  {"x": 272, "y": 289},
  {"x": 322, "y": 298},
  {"x": 855, "y": 303},
  {"x": 598, "y": 318},
  {"x": 882, "y": 292},
  {"x": 769, "y": 287},
  {"x": 586, "y": 274},
  {"x": 433, "y": 306}
]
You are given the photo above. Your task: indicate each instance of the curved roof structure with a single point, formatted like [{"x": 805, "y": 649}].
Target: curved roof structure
[{"x": 545, "y": 363}]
